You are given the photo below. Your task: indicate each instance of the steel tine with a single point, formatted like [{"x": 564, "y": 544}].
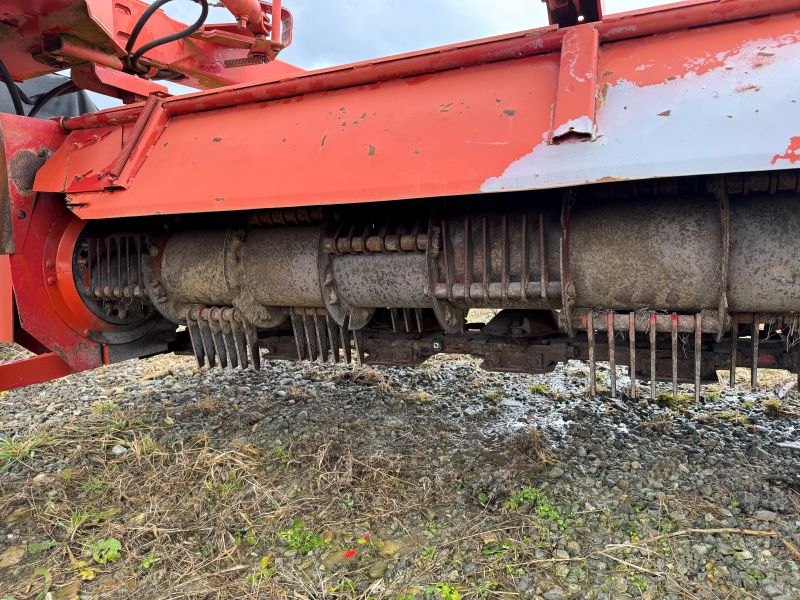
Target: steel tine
[
  {"x": 239, "y": 338},
  {"x": 674, "y": 356},
  {"x": 318, "y": 337},
  {"x": 219, "y": 342},
  {"x": 358, "y": 340},
  {"x": 310, "y": 335},
  {"x": 299, "y": 335},
  {"x": 418, "y": 318},
  {"x": 754, "y": 368},
  {"x": 208, "y": 339},
  {"x": 734, "y": 351},
  {"x": 322, "y": 338},
  {"x": 345, "y": 332},
  {"x": 393, "y": 314},
  {"x": 612, "y": 351},
  {"x": 197, "y": 341},
  {"x": 698, "y": 353},
  {"x": 228, "y": 338},
  {"x": 632, "y": 351},
  {"x": 251, "y": 337},
  {"x": 407, "y": 319},
  {"x": 333, "y": 336},
  {"x": 653, "y": 355},
  {"x": 592, "y": 363}
]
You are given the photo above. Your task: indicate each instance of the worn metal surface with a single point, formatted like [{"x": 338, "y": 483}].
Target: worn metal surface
[
  {"x": 25, "y": 144},
  {"x": 575, "y": 104},
  {"x": 472, "y": 118},
  {"x": 50, "y": 35}
]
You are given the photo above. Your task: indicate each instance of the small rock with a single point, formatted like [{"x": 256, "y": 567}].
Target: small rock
[
  {"x": 11, "y": 556},
  {"x": 42, "y": 479},
  {"x": 119, "y": 450},
  {"x": 67, "y": 591},
  {"x": 524, "y": 584},
  {"x": 302, "y": 415},
  {"x": 743, "y": 555},
  {"x": 771, "y": 590},
  {"x": 561, "y": 554},
  {"x": 389, "y": 548},
  {"x": 378, "y": 570},
  {"x": 765, "y": 515},
  {"x": 554, "y": 594},
  {"x": 555, "y": 473}
]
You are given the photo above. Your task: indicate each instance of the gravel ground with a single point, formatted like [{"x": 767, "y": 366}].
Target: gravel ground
[{"x": 159, "y": 480}]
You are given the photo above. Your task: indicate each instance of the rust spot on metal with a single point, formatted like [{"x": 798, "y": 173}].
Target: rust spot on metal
[
  {"x": 445, "y": 107},
  {"x": 748, "y": 88},
  {"x": 510, "y": 112},
  {"x": 371, "y": 150},
  {"x": 22, "y": 169},
  {"x": 217, "y": 139},
  {"x": 219, "y": 199},
  {"x": 666, "y": 113},
  {"x": 792, "y": 153},
  {"x": 324, "y": 137}
]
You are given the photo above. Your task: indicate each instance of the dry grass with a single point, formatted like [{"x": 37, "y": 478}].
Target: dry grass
[
  {"x": 195, "y": 520},
  {"x": 12, "y": 352}
]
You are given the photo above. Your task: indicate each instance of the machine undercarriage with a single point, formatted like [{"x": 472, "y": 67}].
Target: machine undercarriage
[{"x": 677, "y": 277}]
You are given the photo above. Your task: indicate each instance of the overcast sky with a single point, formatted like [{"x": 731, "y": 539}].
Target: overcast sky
[{"x": 328, "y": 33}]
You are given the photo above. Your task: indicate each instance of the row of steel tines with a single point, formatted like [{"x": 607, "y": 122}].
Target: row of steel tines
[
  {"x": 114, "y": 265},
  {"x": 222, "y": 335},
  {"x": 318, "y": 337},
  {"x": 675, "y": 324}
]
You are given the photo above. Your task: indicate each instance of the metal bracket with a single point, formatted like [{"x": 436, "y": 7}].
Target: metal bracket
[
  {"x": 576, "y": 95},
  {"x": 566, "y": 13},
  {"x": 120, "y": 173}
]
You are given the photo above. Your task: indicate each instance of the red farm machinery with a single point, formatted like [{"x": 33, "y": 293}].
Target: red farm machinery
[{"x": 621, "y": 188}]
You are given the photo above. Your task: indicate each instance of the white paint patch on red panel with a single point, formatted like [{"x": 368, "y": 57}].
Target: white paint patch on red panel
[{"x": 741, "y": 116}]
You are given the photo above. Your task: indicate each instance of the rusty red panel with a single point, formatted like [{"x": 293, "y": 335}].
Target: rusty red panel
[
  {"x": 25, "y": 144},
  {"x": 29, "y": 371},
  {"x": 576, "y": 95},
  {"x": 48, "y": 303},
  {"x": 6, "y": 302},
  {"x": 107, "y": 25},
  {"x": 471, "y": 118}
]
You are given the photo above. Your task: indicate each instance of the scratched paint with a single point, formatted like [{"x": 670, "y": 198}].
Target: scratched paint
[{"x": 688, "y": 125}]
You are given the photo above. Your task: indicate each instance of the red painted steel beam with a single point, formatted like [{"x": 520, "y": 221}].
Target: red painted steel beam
[
  {"x": 29, "y": 371},
  {"x": 490, "y": 50},
  {"x": 6, "y": 302}
]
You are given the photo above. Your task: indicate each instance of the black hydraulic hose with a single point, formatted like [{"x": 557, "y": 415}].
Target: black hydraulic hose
[
  {"x": 13, "y": 90},
  {"x": 133, "y": 59},
  {"x": 65, "y": 88},
  {"x": 140, "y": 23}
]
